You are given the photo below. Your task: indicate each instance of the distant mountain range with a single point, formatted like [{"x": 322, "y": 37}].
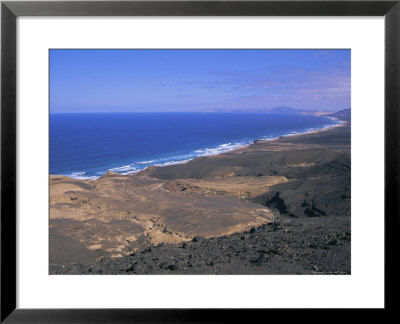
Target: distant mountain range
[{"x": 344, "y": 114}]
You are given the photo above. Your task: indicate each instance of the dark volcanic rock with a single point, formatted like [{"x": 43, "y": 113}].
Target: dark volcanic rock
[
  {"x": 198, "y": 239},
  {"x": 318, "y": 245},
  {"x": 278, "y": 203}
]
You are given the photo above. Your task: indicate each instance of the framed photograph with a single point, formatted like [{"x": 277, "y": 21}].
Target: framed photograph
[{"x": 180, "y": 160}]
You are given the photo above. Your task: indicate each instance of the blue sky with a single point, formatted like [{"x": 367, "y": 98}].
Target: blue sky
[{"x": 198, "y": 80}]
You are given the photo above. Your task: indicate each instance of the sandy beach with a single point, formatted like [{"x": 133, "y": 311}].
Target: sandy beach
[{"x": 275, "y": 206}]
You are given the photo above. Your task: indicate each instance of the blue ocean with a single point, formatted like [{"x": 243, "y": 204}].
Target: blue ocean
[{"x": 85, "y": 146}]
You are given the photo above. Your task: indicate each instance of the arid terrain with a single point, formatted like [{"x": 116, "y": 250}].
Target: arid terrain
[{"x": 274, "y": 207}]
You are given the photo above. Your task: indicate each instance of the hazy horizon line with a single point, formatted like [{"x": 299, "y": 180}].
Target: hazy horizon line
[{"x": 270, "y": 110}]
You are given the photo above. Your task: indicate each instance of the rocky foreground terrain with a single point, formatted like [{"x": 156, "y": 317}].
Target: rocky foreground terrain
[
  {"x": 275, "y": 207},
  {"x": 286, "y": 246}
]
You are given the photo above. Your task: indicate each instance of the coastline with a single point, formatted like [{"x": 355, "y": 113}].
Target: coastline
[
  {"x": 79, "y": 175},
  {"x": 265, "y": 208},
  {"x": 327, "y": 128}
]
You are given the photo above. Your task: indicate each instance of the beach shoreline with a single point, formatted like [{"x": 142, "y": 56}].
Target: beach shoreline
[
  {"x": 327, "y": 128},
  {"x": 79, "y": 175}
]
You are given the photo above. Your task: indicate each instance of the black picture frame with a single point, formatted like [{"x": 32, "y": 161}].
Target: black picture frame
[{"x": 10, "y": 10}]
